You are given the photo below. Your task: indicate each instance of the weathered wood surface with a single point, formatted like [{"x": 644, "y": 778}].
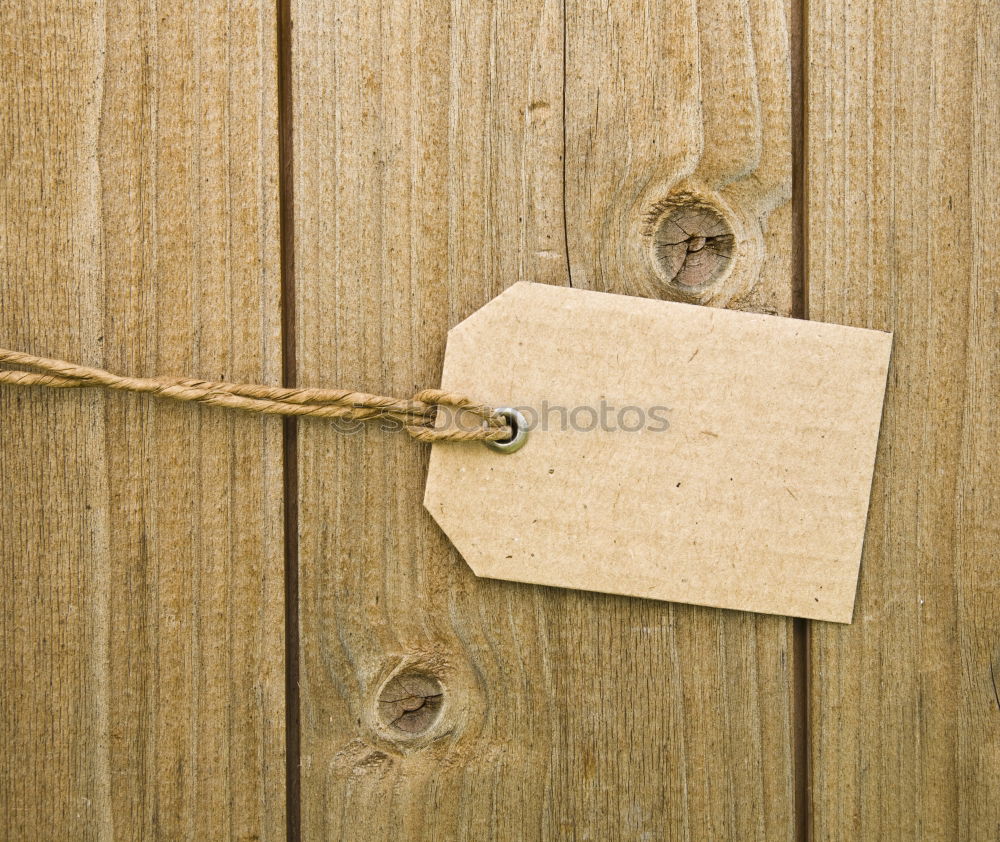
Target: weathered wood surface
[
  {"x": 440, "y": 152},
  {"x": 141, "y": 688},
  {"x": 429, "y": 174},
  {"x": 679, "y": 150},
  {"x": 903, "y": 185}
]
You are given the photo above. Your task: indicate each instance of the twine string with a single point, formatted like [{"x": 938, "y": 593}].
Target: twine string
[{"x": 417, "y": 415}]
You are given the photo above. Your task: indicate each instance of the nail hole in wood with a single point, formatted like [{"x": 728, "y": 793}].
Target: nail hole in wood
[
  {"x": 692, "y": 241},
  {"x": 410, "y": 703}
]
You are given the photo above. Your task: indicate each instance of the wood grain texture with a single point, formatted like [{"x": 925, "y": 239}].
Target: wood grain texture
[
  {"x": 902, "y": 210},
  {"x": 428, "y": 161},
  {"x": 678, "y": 128},
  {"x": 141, "y": 688},
  {"x": 428, "y": 176}
]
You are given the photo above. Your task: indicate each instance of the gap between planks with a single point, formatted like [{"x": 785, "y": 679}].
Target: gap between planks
[
  {"x": 801, "y": 667},
  {"x": 289, "y": 447}
]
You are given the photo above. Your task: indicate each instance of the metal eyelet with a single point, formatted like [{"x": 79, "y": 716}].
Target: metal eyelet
[{"x": 520, "y": 427}]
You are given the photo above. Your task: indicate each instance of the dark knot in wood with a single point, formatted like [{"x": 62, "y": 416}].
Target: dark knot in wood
[
  {"x": 693, "y": 243},
  {"x": 410, "y": 703}
]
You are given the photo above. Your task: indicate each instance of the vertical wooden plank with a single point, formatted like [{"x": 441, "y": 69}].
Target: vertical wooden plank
[
  {"x": 678, "y": 185},
  {"x": 902, "y": 211},
  {"x": 427, "y": 154},
  {"x": 142, "y": 675}
]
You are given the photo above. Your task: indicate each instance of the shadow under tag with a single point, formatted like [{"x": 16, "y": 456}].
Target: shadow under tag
[{"x": 675, "y": 452}]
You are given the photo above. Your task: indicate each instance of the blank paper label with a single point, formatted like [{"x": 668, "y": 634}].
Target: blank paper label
[{"x": 675, "y": 452}]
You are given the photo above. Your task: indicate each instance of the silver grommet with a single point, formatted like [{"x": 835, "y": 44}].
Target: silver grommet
[{"x": 520, "y": 425}]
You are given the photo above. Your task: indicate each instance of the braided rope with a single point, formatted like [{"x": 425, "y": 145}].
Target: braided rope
[{"x": 417, "y": 415}]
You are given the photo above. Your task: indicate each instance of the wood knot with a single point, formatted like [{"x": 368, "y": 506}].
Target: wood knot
[
  {"x": 692, "y": 240},
  {"x": 410, "y": 702}
]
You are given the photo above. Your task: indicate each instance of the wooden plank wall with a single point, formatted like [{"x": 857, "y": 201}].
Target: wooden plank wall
[
  {"x": 142, "y": 678},
  {"x": 435, "y": 152},
  {"x": 903, "y": 184}
]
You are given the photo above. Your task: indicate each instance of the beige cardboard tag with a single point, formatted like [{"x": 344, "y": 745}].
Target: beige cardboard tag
[{"x": 676, "y": 452}]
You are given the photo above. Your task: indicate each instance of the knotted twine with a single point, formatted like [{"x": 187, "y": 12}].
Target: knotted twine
[{"x": 416, "y": 415}]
